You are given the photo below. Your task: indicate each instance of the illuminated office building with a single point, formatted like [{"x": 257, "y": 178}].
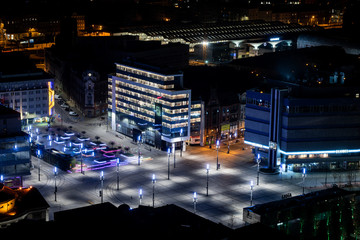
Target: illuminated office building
[
  {"x": 14, "y": 145},
  {"x": 149, "y": 102},
  {"x": 25, "y": 89},
  {"x": 315, "y": 128}
]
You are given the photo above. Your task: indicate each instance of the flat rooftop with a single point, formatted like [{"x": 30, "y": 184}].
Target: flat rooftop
[{"x": 199, "y": 32}]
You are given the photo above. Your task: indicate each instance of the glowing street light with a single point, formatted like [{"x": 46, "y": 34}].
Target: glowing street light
[
  {"x": 258, "y": 160},
  {"x": 194, "y": 200},
  {"x": 303, "y": 177},
  {"x": 217, "y": 154},
  {"x": 139, "y": 155},
  {"x": 38, "y": 153},
  {"x": 169, "y": 152},
  {"x": 153, "y": 181},
  {"x": 173, "y": 146},
  {"x": 181, "y": 145},
  {"x": 140, "y": 195},
  {"x": 55, "y": 175},
  {"x": 251, "y": 192},
  {"x": 102, "y": 186},
  {"x": 207, "y": 179},
  {"x": 117, "y": 173}
]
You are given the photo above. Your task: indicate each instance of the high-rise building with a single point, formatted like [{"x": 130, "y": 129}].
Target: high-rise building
[{"x": 149, "y": 102}]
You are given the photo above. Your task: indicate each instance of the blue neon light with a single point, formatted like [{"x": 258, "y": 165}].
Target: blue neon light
[{"x": 337, "y": 151}]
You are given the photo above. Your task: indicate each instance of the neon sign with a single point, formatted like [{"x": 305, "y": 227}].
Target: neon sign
[{"x": 51, "y": 94}]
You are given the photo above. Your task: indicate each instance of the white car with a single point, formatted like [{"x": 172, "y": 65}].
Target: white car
[
  {"x": 64, "y": 105},
  {"x": 71, "y": 113}
]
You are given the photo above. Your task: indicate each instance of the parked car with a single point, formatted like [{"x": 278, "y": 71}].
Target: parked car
[
  {"x": 57, "y": 97},
  {"x": 72, "y": 113},
  {"x": 64, "y": 105}
]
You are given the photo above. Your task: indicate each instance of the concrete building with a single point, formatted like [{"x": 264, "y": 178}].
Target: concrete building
[
  {"x": 14, "y": 145},
  {"x": 217, "y": 42},
  {"x": 150, "y": 103},
  {"x": 81, "y": 67},
  {"x": 304, "y": 127},
  {"x": 26, "y": 89},
  {"x": 325, "y": 214},
  {"x": 17, "y": 204}
]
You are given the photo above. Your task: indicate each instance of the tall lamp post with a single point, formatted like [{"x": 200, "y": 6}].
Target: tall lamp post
[
  {"x": 173, "y": 146},
  {"x": 38, "y": 152},
  {"x": 168, "y": 152},
  {"x": 217, "y": 154},
  {"x": 258, "y": 160},
  {"x": 140, "y": 195},
  {"x": 251, "y": 192},
  {"x": 194, "y": 200},
  {"x": 102, "y": 186},
  {"x": 153, "y": 181},
  {"x": 81, "y": 159},
  {"x": 181, "y": 145},
  {"x": 117, "y": 173},
  {"x": 207, "y": 179},
  {"x": 303, "y": 177},
  {"x": 138, "y": 142},
  {"x": 55, "y": 175}
]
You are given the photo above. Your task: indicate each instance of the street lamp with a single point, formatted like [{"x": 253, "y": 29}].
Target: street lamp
[
  {"x": 1, "y": 178},
  {"x": 81, "y": 160},
  {"x": 282, "y": 169},
  {"x": 258, "y": 160},
  {"x": 194, "y": 200},
  {"x": 153, "y": 181},
  {"x": 173, "y": 146},
  {"x": 102, "y": 186},
  {"x": 38, "y": 153},
  {"x": 117, "y": 173},
  {"x": 207, "y": 179},
  {"x": 140, "y": 195},
  {"x": 55, "y": 175},
  {"x": 217, "y": 154},
  {"x": 168, "y": 151},
  {"x": 138, "y": 142},
  {"x": 181, "y": 146},
  {"x": 251, "y": 192},
  {"x": 303, "y": 177}
]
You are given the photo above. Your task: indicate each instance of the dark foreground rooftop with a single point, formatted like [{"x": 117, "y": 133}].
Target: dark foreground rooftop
[{"x": 106, "y": 220}]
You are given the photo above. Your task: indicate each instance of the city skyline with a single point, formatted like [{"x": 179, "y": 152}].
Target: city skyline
[{"x": 213, "y": 110}]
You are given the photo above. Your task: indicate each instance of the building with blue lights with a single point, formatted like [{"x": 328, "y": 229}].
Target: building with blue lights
[
  {"x": 149, "y": 102},
  {"x": 14, "y": 145},
  {"x": 26, "y": 89},
  {"x": 312, "y": 127}
]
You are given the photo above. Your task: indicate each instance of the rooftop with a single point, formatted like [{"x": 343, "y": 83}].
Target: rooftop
[
  {"x": 26, "y": 199},
  {"x": 212, "y": 32},
  {"x": 300, "y": 200}
]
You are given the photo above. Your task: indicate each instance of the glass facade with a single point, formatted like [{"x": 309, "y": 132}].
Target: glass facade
[
  {"x": 149, "y": 103},
  {"x": 15, "y": 155}
]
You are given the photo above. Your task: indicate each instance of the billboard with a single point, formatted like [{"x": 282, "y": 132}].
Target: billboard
[{"x": 158, "y": 113}]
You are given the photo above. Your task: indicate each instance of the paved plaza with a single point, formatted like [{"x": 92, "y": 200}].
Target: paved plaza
[{"x": 228, "y": 192}]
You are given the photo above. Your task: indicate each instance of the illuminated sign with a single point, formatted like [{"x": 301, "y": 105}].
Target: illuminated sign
[
  {"x": 341, "y": 151},
  {"x": 274, "y": 39},
  {"x": 51, "y": 98}
]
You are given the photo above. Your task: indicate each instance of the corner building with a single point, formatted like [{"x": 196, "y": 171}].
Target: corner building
[
  {"x": 149, "y": 102},
  {"x": 312, "y": 128}
]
